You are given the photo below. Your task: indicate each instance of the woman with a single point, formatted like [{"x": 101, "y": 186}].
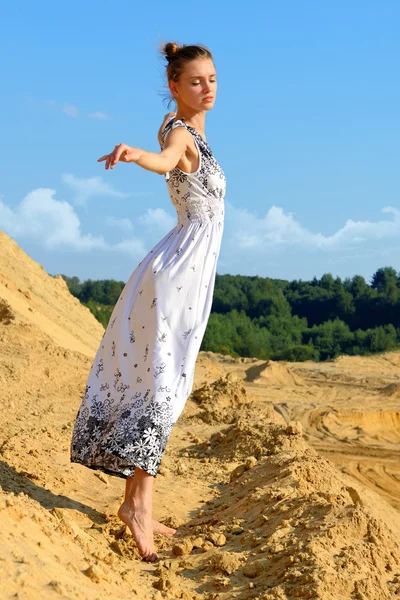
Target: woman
[{"x": 143, "y": 371}]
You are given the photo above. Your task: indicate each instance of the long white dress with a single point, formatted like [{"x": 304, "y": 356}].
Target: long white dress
[{"x": 143, "y": 370}]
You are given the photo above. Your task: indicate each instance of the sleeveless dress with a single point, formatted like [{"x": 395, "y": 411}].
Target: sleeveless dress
[{"x": 143, "y": 370}]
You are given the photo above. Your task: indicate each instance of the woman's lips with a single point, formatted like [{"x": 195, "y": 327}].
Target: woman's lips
[{"x": 208, "y": 98}]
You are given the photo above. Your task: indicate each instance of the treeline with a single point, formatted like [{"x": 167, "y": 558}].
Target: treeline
[
  {"x": 286, "y": 320},
  {"x": 99, "y": 296}
]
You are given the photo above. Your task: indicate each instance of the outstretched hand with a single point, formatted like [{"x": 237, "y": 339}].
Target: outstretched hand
[{"x": 123, "y": 153}]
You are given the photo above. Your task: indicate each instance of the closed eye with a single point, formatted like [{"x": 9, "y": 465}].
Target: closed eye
[{"x": 198, "y": 82}]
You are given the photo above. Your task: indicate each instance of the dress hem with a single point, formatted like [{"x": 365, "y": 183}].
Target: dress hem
[{"x": 118, "y": 474}]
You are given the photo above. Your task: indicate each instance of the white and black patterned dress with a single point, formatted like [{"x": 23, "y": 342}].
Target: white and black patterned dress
[{"x": 143, "y": 370}]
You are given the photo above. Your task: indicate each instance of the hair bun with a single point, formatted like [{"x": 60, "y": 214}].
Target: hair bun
[{"x": 170, "y": 49}]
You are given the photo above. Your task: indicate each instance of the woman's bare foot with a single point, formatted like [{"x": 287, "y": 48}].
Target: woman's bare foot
[
  {"x": 162, "y": 529},
  {"x": 158, "y": 527},
  {"x": 138, "y": 518}
]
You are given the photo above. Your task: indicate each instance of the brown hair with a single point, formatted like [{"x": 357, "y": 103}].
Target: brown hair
[{"x": 177, "y": 56}]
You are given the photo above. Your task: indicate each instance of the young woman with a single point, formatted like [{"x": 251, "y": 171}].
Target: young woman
[{"x": 143, "y": 371}]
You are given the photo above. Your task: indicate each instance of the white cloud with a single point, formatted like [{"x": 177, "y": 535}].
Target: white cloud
[
  {"x": 99, "y": 115},
  {"x": 157, "y": 218},
  {"x": 73, "y": 111},
  {"x": 52, "y": 222},
  {"x": 134, "y": 247},
  {"x": 278, "y": 229},
  {"x": 70, "y": 110},
  {"x": 89, "y": 187},
  {"x": 123, "y": 223},
  {"x": 356, "y": 232}
]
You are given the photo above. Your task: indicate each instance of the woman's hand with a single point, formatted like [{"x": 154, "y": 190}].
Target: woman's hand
[{"x": 123, "y": 153}]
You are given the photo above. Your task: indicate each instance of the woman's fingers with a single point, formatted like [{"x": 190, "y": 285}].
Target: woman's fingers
[
  {"x": 106, "y": 157},
  {"x": 112, "y": 158},
  {"x": 118, "y": 150}
]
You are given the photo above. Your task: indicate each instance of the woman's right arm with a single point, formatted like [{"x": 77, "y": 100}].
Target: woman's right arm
[{"x": 175, "y": 146}]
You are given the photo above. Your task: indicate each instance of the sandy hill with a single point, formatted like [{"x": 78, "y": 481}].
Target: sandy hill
[
  {"x": 283, "y": 479},
  {"x": 44, "y": 301}
]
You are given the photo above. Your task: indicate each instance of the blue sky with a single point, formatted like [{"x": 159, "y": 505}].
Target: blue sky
[{"x": 306, "y": 127}]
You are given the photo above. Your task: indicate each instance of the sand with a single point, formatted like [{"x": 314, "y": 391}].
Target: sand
[{"x": 283, "y": 479}]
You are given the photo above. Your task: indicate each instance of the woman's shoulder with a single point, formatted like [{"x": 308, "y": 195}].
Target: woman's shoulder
[{"x": 171, "y": 124}]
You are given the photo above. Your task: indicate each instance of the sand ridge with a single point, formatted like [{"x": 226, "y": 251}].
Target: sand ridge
[{"x": 45, "y": 301}]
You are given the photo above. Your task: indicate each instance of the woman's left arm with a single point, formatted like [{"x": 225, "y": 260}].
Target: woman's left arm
[{"x": 125, "y": 153}]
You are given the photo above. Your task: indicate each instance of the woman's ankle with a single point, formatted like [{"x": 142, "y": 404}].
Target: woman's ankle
[{"x": 139, "y": 501}]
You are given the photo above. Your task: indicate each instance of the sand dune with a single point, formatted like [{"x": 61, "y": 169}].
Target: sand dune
[
  {"x": 282, "y": 478},
  {"x": 274, "y": 374},
  {"x": 45, "y": 301},
  {"x": 366, "y": 427}
]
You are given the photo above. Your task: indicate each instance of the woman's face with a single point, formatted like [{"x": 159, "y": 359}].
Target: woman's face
[{"x": 197, "y": 85}]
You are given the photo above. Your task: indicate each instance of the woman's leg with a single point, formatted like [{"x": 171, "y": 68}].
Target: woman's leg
[
  {"x": 157, "y": 526},
  {"x": 136, "y": 512}
]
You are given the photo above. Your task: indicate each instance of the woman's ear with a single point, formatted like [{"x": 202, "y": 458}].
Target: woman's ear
[{"x": 173, "y": 90}]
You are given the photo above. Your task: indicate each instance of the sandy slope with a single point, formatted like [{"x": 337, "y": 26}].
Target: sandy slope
[
  {"x": 283, "y": 479},
  {"x": 45, "y": 301}
]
